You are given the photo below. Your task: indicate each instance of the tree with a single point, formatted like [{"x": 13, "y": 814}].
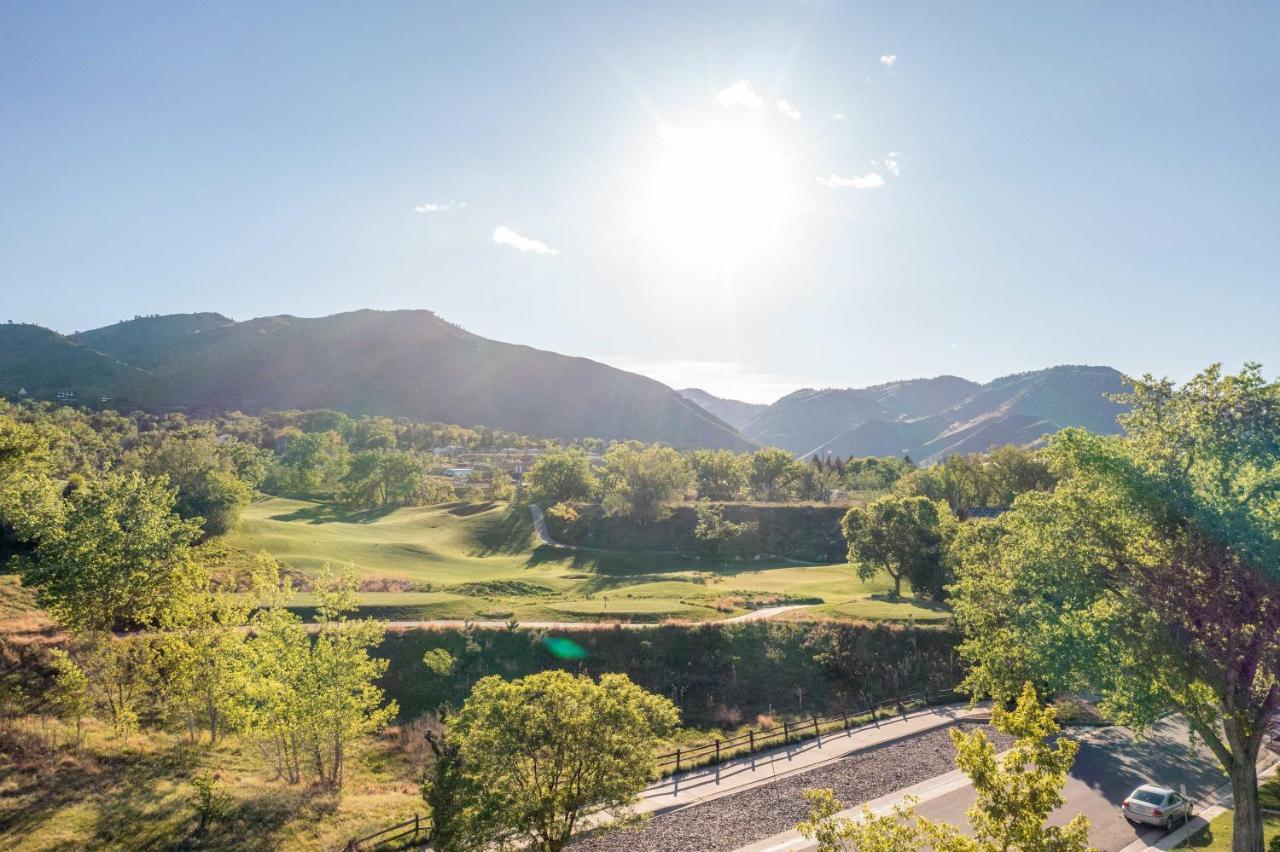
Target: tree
[
  {"x": 499, "y": 487},
  {"x": 120, "y": 558},
  {"x": 559, "y": 476},
  {"x": 538, "y": 752},
  {"x": 205, "y": 662},
  {"x": 903, "y": 536},
  {"x": 1149, "y": 573},
  {"x": 716, "y": 536},
  {"x": 770, "y": 472},
  {"x": 719, "y": 474},
  {"x": 309, "y": 699},
  {"x": 70, "y": 694},
  {"x": 310, "y": 462},
  {"x": 213, "y": 476},
  {"x": 1016, "y": 793},
  {"x": 641, "y": 480}
]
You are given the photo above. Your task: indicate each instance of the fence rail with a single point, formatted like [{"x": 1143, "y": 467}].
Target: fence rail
[
  {"x": 757, "y": 739},
  {"x": 418, "y": 828}
]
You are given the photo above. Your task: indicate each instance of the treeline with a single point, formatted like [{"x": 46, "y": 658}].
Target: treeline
[
  {"x": 215, "y": 465},
  {"x": 641, "y": 481}
]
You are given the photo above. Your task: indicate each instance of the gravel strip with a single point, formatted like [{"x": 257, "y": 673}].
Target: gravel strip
[{"x": 741, "y": 818}]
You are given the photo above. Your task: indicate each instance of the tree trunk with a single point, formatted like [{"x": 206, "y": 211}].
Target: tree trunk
[
  {"x": 1247, "y": 821},
  {"x": 1245, "y": 740}
]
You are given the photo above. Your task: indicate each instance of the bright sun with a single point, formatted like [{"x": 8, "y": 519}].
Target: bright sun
[{"x": 719, "y": 195}]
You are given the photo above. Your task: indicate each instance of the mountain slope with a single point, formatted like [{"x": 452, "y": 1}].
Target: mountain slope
[
  {"x": 968, "y": 417},
  {"x": 141, "y": 340},
  {"x": 732, "y": 411},
  {"x": 45, "y": 363},
  {"x": 402, "y": 363}
]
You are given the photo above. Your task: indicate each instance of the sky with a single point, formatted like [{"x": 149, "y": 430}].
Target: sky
[{"x": 745, "y": 197}]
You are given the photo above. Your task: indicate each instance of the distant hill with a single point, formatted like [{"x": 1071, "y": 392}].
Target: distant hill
[
  {"x": 394, "y": 363},
  {"x": 44, "y": 364},
  {"x": 968, "y": 417},
  {"x": 734, "y": 412}
]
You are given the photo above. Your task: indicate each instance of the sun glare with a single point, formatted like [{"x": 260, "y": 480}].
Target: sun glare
[{"x": 719, "y": 194}]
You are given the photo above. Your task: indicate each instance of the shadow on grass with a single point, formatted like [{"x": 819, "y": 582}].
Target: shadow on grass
[
  {"x": 918, "y": 603},
  {"x": 509, "y": 533},
  {"x": 463, "y": 508},
  {"x": 328, "y": 513}
]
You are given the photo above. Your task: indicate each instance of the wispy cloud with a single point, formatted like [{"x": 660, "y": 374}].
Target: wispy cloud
[
  {"x": 889, "y": 60},
  {"x": 839, "y": 116},
  {"x": 892, "y": 164},
  {"x": 788, "y": 110},
  {"x": 871, "y": 180},
  {"x": 739, "y": 93},
  {"x": 443, "y": 207},
  {"x": 504, "y": 236}
]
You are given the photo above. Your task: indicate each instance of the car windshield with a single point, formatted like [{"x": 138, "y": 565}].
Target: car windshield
[{"x": 1149, "y": 796}]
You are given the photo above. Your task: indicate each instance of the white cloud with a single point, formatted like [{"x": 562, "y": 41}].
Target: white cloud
[
  {"x": 739, "y": 93},
  {"x": 443, "y": 207},
  {"x": 892, "y": 165},
  {"x": 839, "y": 116},
  {"x": 871, "y": 180},
  {"x": 504, "y": 236},
  {"x": 889, "y": 60},
  {"x": 788, "y": 110}
]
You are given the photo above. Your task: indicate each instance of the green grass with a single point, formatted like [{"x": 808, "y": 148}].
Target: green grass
[
  {"x": 1217, "y": 835},
  {"x": 481, "y": 561}
]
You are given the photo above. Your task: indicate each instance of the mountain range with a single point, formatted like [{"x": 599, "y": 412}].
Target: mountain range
[
  {"x": 932, "y": 418},
  {"x": 394, "y": 363},
  {"x": 415, "y": 364}
]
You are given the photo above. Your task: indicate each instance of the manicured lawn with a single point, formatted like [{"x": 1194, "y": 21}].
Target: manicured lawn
[
  {"x": 455, "y": 546},
  {"x": 1217, "y": 834}
]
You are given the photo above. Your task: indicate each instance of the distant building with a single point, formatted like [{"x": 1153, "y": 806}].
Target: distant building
[{"x": 458, "y": 474}]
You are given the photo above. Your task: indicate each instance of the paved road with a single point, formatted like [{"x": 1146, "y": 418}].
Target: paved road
[{"x": 1110, "y": 764}]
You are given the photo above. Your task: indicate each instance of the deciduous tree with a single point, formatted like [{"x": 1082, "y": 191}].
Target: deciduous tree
[
  {"x": 1150, "y": 572},
  {"x": 903, "y": 536},
  {"x": 536, "y": 753}
]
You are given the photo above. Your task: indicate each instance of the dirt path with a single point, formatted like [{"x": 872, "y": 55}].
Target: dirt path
[{"x": 447, "y": 623}]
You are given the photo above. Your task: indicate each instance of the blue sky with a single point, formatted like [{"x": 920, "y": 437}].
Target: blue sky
[{"x": 1076, "y": 182}]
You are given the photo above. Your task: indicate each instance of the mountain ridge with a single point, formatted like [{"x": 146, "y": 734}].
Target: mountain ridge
[{"x": 395, "y": 363}]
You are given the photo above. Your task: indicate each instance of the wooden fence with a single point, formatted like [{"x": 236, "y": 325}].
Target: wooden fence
[
  {"x": 413, "y": 830},
  {"x": 758, "y": 739}
]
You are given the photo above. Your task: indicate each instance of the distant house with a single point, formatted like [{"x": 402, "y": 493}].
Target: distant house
[
  {"x": 458, "y": 474},
  {"x": 22, "y": 391},
  {"x": 983, "y": 511}
]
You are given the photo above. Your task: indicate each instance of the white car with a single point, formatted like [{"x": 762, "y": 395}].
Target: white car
[{"x": 1156, "y": 806}]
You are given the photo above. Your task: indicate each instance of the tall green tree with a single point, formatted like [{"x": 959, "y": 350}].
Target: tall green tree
[
  {"x": 905, "y": 537},
  {"x": 640, "y": 480},
  {"x": 560, "y": 476},
  {"x": 1149, "y": 573},
  {"x": 309, "y": 699},
  {"x": 119, "y": 558},
  {"x": 537, "y": 753},
  {"x": 719, "y": 474},
  {"x": 771, "y": 472}
]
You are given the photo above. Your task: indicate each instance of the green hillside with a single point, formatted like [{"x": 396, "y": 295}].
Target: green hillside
[{"x": 479, "y": 561}]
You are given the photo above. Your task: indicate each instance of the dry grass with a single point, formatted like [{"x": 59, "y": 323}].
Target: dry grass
[{"x": 137, "y": 795}]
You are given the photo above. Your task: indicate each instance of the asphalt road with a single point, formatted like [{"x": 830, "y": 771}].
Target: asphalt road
[
  {"x": 762, "y": 614},
  {"x": 1110, "y": 764}
]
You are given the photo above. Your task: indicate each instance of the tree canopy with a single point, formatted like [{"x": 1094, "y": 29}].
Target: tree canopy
[
  {"x": 1149, "y": 574},
  {"x": 536, "y": 753},
  {"x": 905, "y": 537}
]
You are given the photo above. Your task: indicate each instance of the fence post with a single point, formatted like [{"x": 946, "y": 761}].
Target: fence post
[
  {"x": 415, "y": 827},
  {"x": 717, "y": 750},
  {"x": 677, "y": 760},
  {"x": 786, "y": 733},
  {"x": 816, "y": 735},
  {"x": 751, "y": 735},
  {"x": 845, "y": 715}
]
